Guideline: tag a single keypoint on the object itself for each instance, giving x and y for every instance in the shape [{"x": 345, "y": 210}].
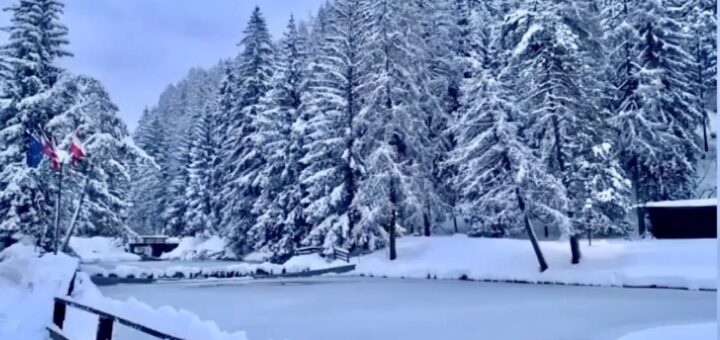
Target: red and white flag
[
  {"x": 77, "y": 149},
  {"x": 49, "y": 151}
]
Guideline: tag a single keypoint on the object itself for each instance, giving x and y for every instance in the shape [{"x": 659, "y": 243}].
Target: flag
[
  {"x": 49, "y": 151},
  {"x": 34, "y": 150},
  {"x": 77, "y": 150}
]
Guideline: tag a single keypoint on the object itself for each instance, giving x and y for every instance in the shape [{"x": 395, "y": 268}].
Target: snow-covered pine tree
[
  {"x": 36, "y": 39},
  {"x": 659, "y": 144},
  {"x": 148, "y": 193},
  {"x": 83, "y": 105},
  {"x": 701, "y": 18},
  {"x": 501, "y": 181},
  {"x": 550, "y": 48},
  {"x": 330, "y": 106},
  {"x": 395, "y": 142},
  {"x": 243, "y": 159},
  {"x": 200, "y": 191},
  {"x": 281, "y": 224}
]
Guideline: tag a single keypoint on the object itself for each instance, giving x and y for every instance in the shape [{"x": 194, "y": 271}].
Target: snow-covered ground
[
  {"x": 690, "y": 264},
  {"x": 352, "y": 308},
  {"x": 29, "y": 284},
  {"x": 703, "y": 331},
  {"x": 193, "y": 248},
  {"x": 100, "y": 249}
]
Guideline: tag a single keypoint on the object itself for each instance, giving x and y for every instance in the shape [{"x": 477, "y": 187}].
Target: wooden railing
[
  {"x": 341, "y": 254},
  {"x": 105, "y": 324},
  {"x": 308, "y": 250},
  {"x": 337, "y": 254}
]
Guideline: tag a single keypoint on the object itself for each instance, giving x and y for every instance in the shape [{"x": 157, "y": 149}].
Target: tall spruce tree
[
  {"x": 36, "y": 39},
  {"x": 280, "y": 132},
  {"x": 243, "y": 159}
]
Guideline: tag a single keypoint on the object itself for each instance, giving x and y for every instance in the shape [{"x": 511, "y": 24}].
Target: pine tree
[
  {"x": 280, "y": 135},
  {"x": 36, "y": 39},
  {"x": 148, "y": 193},
  {"x": 200, "y": 190},
  {"x": 243, "y": 159},
  {"x": 501, "y": 181},
  {"x": 656, "y": 126},
  {"x": 331, "y": 165},
  {"x": 85, "y": 107},
  {"x": 549, "y": 57},
  {"x": 394, "y": 145}
]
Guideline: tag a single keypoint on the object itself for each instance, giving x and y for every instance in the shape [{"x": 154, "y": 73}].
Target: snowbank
[
  {"x": 294, "y": 265},
  {"x": 100, "y": 249},
  {"x": 29, "y": 284},
  {"x": 195, "y": 248},
  {"x": 703, "y": 331},
  {"x": 686, "y": 264}
]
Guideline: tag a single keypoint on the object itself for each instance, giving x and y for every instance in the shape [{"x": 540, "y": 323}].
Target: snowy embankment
[
  {"x": 29, "y": 283},
  {"x": 297, "y": 264},
  {"x": 683, "y": 264},
  {"x": 703, "y": 331},
  {"x": 194, "y": 248},
  {"x": 100, "y": 249}
]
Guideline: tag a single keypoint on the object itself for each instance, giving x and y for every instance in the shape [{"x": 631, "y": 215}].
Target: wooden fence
[
  {"x": 105, "y": 324},
  {"x": 337, "y": 253}
]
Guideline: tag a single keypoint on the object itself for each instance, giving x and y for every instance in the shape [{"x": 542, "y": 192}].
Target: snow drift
[
  {"x": 685, "y": 264},
  {"x": 29, "y": 284},
  {"x": 100, "y": 249}
]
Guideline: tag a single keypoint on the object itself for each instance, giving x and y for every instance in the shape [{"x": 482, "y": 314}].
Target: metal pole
[{"x": 57, "y": 209}]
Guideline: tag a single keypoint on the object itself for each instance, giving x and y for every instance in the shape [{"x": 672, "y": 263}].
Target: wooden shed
[{"x": 683, "y": 219}]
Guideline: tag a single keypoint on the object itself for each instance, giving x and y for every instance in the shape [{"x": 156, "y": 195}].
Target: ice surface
[
  {"x": 703, "y": 331},
  {"x": 352, "y": 308}
]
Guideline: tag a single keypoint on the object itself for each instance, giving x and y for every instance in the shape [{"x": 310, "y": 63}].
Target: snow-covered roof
[{"x": 706, "y": 202}]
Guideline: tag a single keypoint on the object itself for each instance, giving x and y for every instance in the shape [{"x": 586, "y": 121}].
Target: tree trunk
[
  {"x": 575, "y": 249},
  {"x": 426, "y": 225},
  {"x": 531, "y": 232},
  {"x": 393, "y": 251}
]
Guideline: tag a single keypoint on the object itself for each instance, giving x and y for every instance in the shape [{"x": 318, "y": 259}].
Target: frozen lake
[{"x": 351, "y": 308}]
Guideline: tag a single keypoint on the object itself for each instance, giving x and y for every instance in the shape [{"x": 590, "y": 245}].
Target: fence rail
[
  {"x": 341, "y": 254},
  {"x": 105, "y": 324},
  {"x": 308, "y": 250}
]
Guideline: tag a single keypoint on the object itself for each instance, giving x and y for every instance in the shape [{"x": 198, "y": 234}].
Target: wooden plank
[{"x": 105, "y": 329}]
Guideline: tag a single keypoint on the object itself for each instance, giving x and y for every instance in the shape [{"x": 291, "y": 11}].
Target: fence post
[
  {"x": 59, "y": 313},
  {"x": 105, "y": 326}
]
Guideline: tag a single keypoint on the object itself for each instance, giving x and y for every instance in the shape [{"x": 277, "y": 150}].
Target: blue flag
[{"x": 34, "y": 151}]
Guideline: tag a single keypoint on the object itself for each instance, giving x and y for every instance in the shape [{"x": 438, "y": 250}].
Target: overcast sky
[{"x": 138, "y": 47}]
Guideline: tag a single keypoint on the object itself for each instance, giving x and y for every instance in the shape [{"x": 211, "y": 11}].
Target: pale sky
[{"x": 138, "y": 47}]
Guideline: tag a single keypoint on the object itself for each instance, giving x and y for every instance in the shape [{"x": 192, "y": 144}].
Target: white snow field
[
  {"x": 687, "y": 264},
  {"x": 97, "y": 249},
  {"x": 29, "y": 283},
  {"x": 703, "y": 331},
  {"x": 353, "y": 308}
]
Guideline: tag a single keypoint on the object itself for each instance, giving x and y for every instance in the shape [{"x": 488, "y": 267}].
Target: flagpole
[
  {"x": 57, "y": 208},
  {"x": 73, "y": 221}
]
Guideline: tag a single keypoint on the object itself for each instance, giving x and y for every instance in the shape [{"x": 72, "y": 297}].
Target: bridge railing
[{"x": 105, "y": 324}]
